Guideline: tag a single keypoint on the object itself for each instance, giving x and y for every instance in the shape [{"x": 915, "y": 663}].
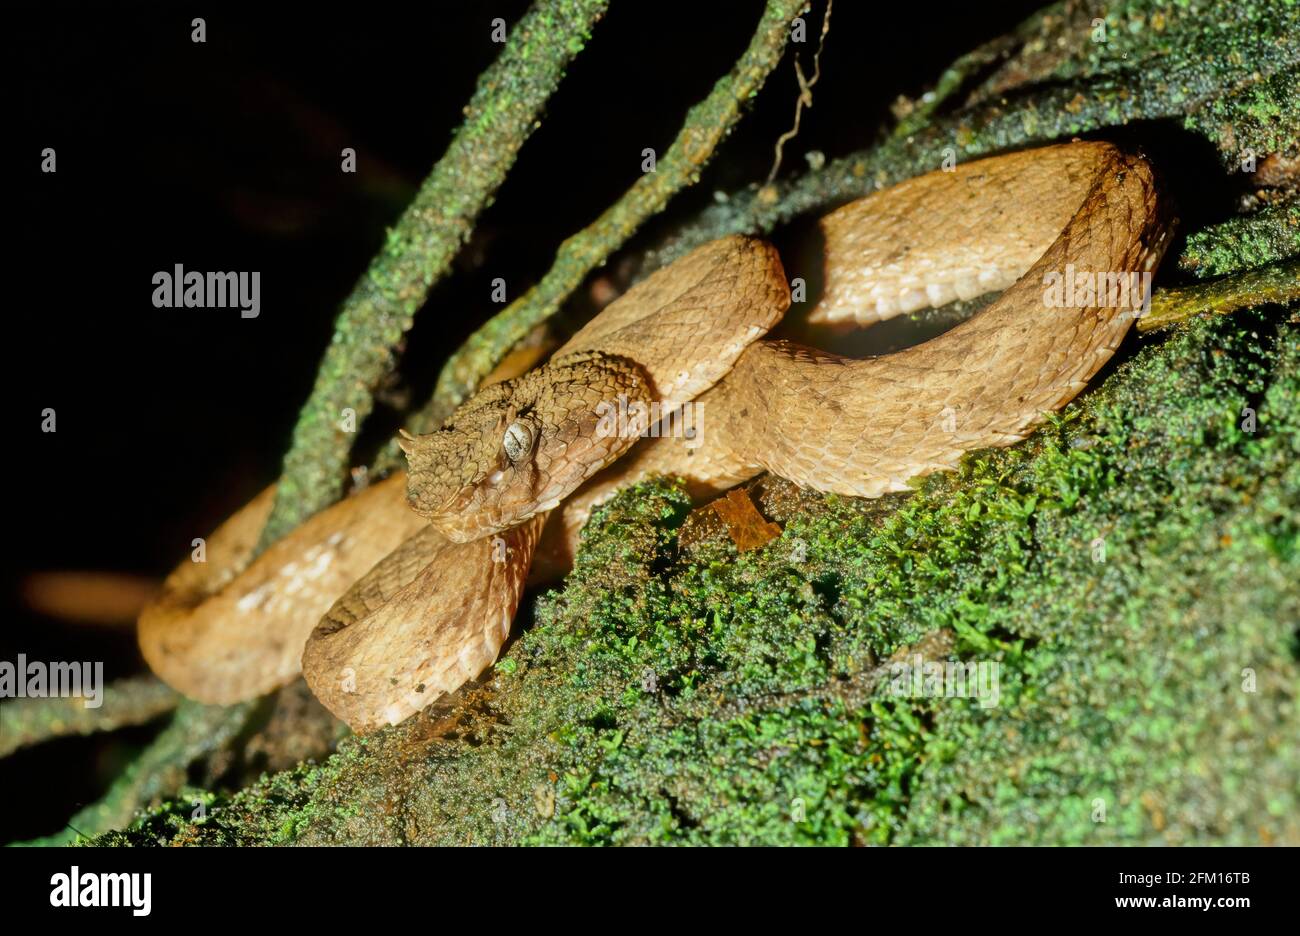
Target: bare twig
[{"x": 805, "y": 93}]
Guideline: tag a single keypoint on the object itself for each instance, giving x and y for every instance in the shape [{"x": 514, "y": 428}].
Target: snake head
[{"x": 520, "y": 447}]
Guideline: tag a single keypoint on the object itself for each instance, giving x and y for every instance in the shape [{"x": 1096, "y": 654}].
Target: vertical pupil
[{"x": 518, "y": 441}]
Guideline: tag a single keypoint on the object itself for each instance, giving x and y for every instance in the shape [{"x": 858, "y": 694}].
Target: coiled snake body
[{"x": 386, "y": 607}]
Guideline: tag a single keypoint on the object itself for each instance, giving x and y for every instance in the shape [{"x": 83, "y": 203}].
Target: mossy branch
[
  {"x": 195, "y": 731},
  {"x": 1277, "y": 283},
  {"x": 24, "y": 722},
  {"x": 1243, "y": 243},
  {"x": 919, "y": 113},
  {"x": 500, "y": 116},
  {"x": 1214, "y": 90}
]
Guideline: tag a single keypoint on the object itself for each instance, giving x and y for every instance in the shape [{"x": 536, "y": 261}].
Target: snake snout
[{"x": 519, "y": 448}]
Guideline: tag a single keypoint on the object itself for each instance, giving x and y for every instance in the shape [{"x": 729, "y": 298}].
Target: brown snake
[{"x": 386, "y": 608}]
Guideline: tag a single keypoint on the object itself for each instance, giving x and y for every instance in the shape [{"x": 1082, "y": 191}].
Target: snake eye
[{"x": 518, "y": 442}]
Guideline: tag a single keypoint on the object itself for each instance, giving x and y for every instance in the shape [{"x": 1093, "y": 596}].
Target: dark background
[{"x": 225, "y": 156}]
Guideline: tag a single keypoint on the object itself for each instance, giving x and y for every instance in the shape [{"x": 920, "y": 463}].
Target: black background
[{"x": 225, "y": 156}]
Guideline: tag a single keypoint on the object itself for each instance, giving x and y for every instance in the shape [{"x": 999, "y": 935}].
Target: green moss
[
  {"x": 1260, "y": 118},
  {"x": 1129, "y": 569},
  {"x": 1121, "y": 672},
  {"x": 1244, "y": 243}
]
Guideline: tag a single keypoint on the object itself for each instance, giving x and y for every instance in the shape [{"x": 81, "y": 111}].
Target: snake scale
[{"x": 407, "y": 589}]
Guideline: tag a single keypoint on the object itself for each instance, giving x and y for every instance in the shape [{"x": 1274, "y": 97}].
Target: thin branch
[
  {"x": 1054, "y": 113},
  {"x": 707, "y": 124},
  {"x": 805, "y": 93},
  {"x": 24, "y": 722},
  {"x": 956, "y": 75},
  {"x": 195, "y": 731},
  {"x": 1276, "y": 283},
  {"x": 502, "y": 114}
]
